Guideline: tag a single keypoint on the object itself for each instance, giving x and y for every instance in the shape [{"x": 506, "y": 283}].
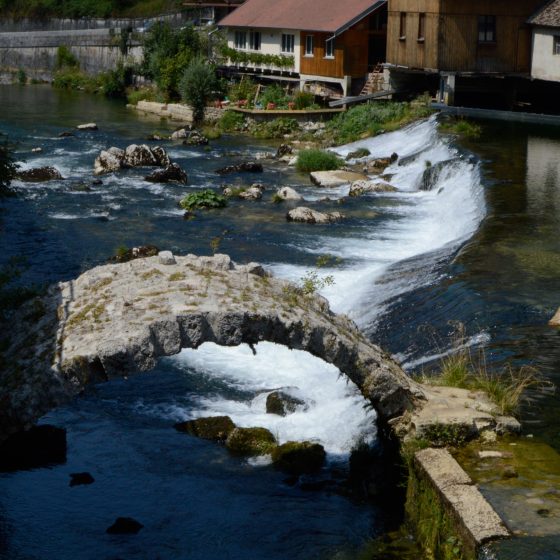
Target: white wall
[
  {"x": 271, "y": 43},
  {"x": 545, "y": 65}
]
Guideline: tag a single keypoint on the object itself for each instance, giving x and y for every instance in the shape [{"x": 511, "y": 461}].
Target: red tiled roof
[
  {"x": 327, "y": 16},
  {"x": 548, "y": 16}
]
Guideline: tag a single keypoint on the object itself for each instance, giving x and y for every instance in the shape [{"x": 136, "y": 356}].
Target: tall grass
[{"x": 507, "y": 388}]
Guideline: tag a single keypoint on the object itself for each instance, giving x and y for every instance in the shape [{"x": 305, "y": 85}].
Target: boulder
[
  {"x": 37, "y": 447},
  {"x": 360, "y": 187},
  {"x": 247, "y": 166},
  {"x": 81, "y": 478},
  {"x": 140, "y": 156},
  {"x": 287, "y": 193},
  {"x": 296, "y": 457},
  {"x": 380, "y": 164},
  {"x": 282, "y": 403},
  {"x": 194, "y": 138},
  {"x": 555, "y": 321},
  {"x": 180, "y": 134},
  {"x": 335, "y": 178},
  {"x": 124, "y": 526},
  {"x": 166, "y": 258},
  {"x": 357, "y": 154},
  {"x": 215, "y": 428},
  {"x": 39, "y": 174},
  {"x": 170, "y": 174},
  {"x": 251, "y": 441},
  {"x": 284, "y": 150},
  {"x": 87, "y": 126},
  {"x": 108, "y": 161},
  {"x": 162, "y": 159},
  {"x": 254, "y": 192},
  {"x": 309, "y": 216}
]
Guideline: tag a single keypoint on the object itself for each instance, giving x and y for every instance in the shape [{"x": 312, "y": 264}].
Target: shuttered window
[{"x": 486, "y": 29}]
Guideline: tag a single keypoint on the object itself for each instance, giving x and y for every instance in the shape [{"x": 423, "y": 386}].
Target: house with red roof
[{"x": 320, "y": 43}]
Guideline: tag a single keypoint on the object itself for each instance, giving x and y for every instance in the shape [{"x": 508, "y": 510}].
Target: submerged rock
[
  {"x": 66, "y": 134},
  {"x": 215, "y": 428},
  {"x": 37, "y": 447},
  {"x": 284, "y": 150},
  {"x": 80, "y": 479},
  {"x": 125, "y": 526},
  {"x": 309, "y": 216},
  {"x": 254, "y": 192},
  {"x": 380, "y": 164},
  {"x": 295, "y": 457},
  {"x": 248, "y": 166},
  {"x": 282, "y": 403},
  {"x": 39, "y": 174},
  {"x": 170, "y": 174},
  {"x": 357, "y": 154},
  {"x": 360, "y": 187},
  {"x": 251, "y": 441}
]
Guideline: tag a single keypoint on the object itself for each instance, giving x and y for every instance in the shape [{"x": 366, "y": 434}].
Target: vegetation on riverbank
[
  {"x": 40, "y": 9},
  {"x": 317, "y": 160},
  {"x": 461, "y": 127},
  {"x": 506, "y": 388}
]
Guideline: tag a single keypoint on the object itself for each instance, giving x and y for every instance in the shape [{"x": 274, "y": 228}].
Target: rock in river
[
  {"x": 335, "y": 178},
  {"x": 309, "y": 216},
  {"x": 87, "y": 126},
  {"x": 251, "y": 441},
  {"x": 360, "y": 187},
  {"x": 215, "y": 428},
  {"x": 299, "y": 457},
  {"x": 39, "y": 174},
  {"x": 170, "y": 174},
  {"x": 249, "y": 166},
  {"x": 287, "y": 193},
  {"x": 124, "y": 526},
  {"x": 282, "y": 403}
]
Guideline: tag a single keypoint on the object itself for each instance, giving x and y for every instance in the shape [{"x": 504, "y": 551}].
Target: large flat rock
[{"x": 335, "y": 178}]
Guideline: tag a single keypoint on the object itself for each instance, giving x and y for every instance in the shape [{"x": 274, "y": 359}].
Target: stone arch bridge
[{"x": 117, "y": 319}]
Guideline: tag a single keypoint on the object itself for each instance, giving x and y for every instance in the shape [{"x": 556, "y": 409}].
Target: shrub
[
  {"x": 317, "y": 160},
  {"x": 274, "y": 94},
  {"x": 133, "y": 96},
  {"x": 203, "y": 199},
  {"x": 277, "y": 128},
  {"x": 21, "y": 77},
  {"x": 72, "y": 78},
  {"x": 113, "y": 83},
  {"x": 462, "y": 127},
  {"x": 231, "y": 121},
  {"x": 65, "y": 58},
  {"x": 303, "y": 100},
  {"x": 197, "y": 87},
  {"x": 244, "y": 89}
]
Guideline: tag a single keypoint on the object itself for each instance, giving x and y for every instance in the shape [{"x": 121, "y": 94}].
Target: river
[{"x": 481, "y": 247}]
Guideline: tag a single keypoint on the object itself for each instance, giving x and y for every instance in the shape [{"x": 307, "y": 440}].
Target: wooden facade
[
  {"x": 355, "y": 51},
  {"x": 450, "y": 30}
]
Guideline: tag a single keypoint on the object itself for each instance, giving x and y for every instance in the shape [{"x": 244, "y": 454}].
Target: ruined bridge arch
[{"x": 117, "y": 319}]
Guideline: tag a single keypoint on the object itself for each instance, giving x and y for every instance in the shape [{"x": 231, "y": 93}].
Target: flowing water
[{"x": 471, "y": 235}]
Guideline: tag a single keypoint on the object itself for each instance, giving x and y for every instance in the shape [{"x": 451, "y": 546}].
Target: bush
[
  {"x": 113, "y": 83},
  {"x": 133, "y": 96},
  {"x": 197, "y": 87},
  {"x": 72, "y": 78},
  {"x": 245, "y": 89},
  {"x": 231, "y": 121},
  {"x": 278, "y": 128},
  {"x": 21, "y": 77},
  {"x": 303, "y": 100},
  {"x": 203, "y": 199},
  {"x": 317, "y": 160},
  {"x": 65, "y": 58},
  {"x": 274, "y": 94}
]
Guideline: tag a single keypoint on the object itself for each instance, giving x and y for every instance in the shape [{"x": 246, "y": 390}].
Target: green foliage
[
  {"x": 462, "y": 127},
  {"x": 73, "y": 79},
  {"x": 277, "y": 128},
  {"x": 303, "y": 100},
  {"x": 21, "y": 77},
  {"x": 244, "y": 89},
  {"x": 65, "y": 58},
  {"x": 274, "y": 94},
  {"x": 231, "y": 121},
  {"x": 372, "y": 118},
  {"x": 443, "y": 435},
  {"x": 203, "y": 199},
  {"x": 312, "y": 283},
  {"x": 133, "y": 96},
  {"x": 257, "y": 59},
  {"x": 113, "y": 83},
  {"x": 8, "y": 168},
  {"x": 317, "y": 160},
  {"x": 167, "y": 54},
  {"x": 197, "y": 87}
]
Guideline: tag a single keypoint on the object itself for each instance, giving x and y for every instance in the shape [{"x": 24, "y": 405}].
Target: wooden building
[
  {"x": 460, "y": 38},
  {"x": 329, "y": 43}
]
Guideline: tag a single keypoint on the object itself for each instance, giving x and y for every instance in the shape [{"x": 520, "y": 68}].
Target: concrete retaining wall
[{"x": 174, "y": 111}]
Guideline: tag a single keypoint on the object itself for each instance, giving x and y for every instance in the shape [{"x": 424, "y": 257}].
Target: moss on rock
[
  {"x": 299, "y": 457},
  {"x": 251, "y": 441},
  {"x": 281, "y": 403},
  {"x": 215, "y": 428}
]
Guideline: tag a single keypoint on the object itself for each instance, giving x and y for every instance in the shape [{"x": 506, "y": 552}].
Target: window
[
  {"x": 402, "y": 31},
  {"x": 240, "y": 40},
  {"x": 329, "y": 48},
  {"x": 486, "y": 29},
  {"x": 309, "y": 45},
  {"x": 287, "y": 43},
  {"x": 421, "y": 26},
  {"x": 556, "y": 45},
  {"x": 255, "y": 40}
]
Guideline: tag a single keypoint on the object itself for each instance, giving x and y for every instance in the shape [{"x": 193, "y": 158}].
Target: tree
[
  {"x": 8, "y": 168},
  {"x": 197, "y": 87}
]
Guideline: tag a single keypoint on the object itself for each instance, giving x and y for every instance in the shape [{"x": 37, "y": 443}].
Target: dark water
[{"x": 482, "y": 248}]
